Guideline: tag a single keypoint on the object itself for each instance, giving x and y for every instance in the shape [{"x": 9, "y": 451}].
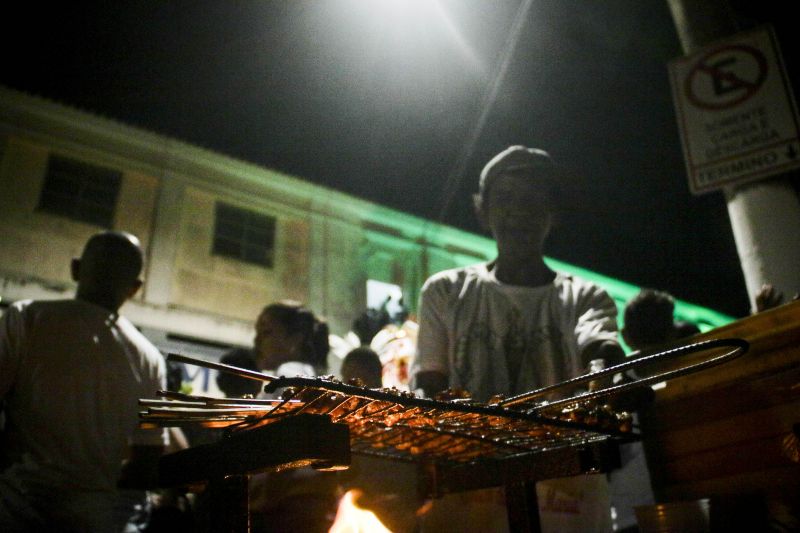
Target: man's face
[{"x": 517, "y": 210}]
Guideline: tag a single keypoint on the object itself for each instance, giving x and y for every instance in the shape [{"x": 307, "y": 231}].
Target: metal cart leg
[
  {"x": 231, "y": 504},
  {"x": 522, "y": 507}
]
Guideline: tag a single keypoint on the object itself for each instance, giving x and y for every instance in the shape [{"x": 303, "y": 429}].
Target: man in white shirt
[
  {"x": 71, "y": 374},
  {"x": 512, "y": 325}
]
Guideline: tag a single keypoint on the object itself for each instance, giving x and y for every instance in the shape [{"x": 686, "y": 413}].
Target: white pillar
[
  {"x": 765, "y": 218},
  {"x": 164, "y": 242}
]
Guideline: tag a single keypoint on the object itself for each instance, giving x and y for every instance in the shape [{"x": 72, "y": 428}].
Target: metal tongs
[{"x": 738, "y": 348}]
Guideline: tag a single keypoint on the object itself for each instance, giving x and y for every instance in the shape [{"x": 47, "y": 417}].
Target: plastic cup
[{"x": 683, "y": 517}]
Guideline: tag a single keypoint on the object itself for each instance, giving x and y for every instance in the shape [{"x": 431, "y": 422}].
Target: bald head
[{"x": 108, "y": 270}]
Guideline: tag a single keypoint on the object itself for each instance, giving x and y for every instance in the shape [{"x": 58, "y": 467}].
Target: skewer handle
[{"x": 230, "y": 369}]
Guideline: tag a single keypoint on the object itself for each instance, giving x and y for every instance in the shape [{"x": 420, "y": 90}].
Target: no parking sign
[{"x": 736, "y": 111}]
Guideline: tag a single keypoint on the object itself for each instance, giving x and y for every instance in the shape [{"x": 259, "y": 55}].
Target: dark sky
[{"x": 381, "y": 106}]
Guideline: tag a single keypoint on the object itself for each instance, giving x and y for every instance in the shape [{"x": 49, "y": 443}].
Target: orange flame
[{"x": 350, "y": 518}]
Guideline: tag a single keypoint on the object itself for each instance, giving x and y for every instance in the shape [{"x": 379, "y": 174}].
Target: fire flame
[{"x": 350, "y": 518}]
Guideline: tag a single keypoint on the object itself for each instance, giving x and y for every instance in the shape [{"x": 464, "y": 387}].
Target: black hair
[
  {"x": 116, "y": 254},
  {"x": 367, "y": 365},
  {"x": 174, "y": 376},
  {"x": 234, "y": 386},
  {"x": 369, "y": 323},
  {"x": 297, "y": 318},
  {"x": 649, "y": 319}
]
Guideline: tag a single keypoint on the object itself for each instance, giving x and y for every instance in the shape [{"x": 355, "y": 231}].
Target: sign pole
[{"x": 764, "y": 209}]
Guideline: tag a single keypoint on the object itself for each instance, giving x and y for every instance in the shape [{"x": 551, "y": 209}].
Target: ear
[
  {"x": 75, "y": 269},
  {"x": 135, "y": 286}
]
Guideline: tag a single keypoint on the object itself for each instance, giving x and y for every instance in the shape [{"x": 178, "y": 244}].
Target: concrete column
[
  {"x": 765, "y": 215},
  {"x": 164, "y": 243}
]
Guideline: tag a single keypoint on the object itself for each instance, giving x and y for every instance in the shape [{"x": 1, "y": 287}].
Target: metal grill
[{"x": 398, "y": 425}]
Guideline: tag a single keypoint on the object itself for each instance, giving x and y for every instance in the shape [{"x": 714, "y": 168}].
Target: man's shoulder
[
  {"x": 567, "y": 279},
  {"x": 581, "y": 291},
  {"x": 577, "y": 283},
  {"x": 137, "y": 337},
  {"x": 455, "y": 277},
  {"x": 29, "y": 306}
]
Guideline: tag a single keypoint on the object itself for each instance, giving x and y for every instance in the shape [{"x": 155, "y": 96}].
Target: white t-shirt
[
  {"x": 71, "y": 375},
  {"x": 493, "y": 338}
]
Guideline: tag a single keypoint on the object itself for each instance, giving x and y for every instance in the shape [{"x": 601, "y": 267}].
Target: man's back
[{"x": 71, "y": 373}]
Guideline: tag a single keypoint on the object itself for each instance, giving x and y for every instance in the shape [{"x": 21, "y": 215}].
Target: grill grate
[{"x": 398, "y": 425}]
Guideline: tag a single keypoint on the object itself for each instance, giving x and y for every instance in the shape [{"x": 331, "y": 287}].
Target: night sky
[{"x": 380, "y": 103}]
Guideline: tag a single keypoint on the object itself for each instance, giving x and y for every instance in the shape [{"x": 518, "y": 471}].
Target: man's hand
[
  {"x": 610, "y": 351},
  {"x": 767, "y": 298},
  {"x": 431, "y": 382}
]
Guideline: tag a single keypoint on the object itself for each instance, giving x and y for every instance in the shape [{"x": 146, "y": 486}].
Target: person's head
[
  {"x": 519, "y": 196},
  {"x": 288, "y": 331},
  {"x": 174, "y": 376},
  {"x": 649, "y": 319},
  {"x": 362, "y": 363},
  {"x": 108, "y": 270},
  {"x": 369, "y": 323},
  {"x": 232, "y": 385}
]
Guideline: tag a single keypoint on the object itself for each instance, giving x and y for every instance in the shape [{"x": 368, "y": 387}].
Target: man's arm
[
  {"x": 431, "y": 382},
  {"x": 428, "y": 371},
  {"x": 630, "y": 400},
  {"x": 609, "y": 351}
]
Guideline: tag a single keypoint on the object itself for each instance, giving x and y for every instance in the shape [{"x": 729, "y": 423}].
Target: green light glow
[
  {"x": 621, "y": 292},
  {"x": 465, "y": 248}
]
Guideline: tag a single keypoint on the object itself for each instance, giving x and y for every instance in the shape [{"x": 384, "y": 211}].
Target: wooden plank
[
  {"x": 704, "y": 407},
  {"x": 771, "y": 482},
  {"x": 754, "y": 364},
  {"x": 774, "y": 338},
  {"x": 772, "y": 422},
  {"x": 751, "y": 456}
]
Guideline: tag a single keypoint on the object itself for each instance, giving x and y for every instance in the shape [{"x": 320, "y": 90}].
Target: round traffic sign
[{"x": 726, "y": 77}]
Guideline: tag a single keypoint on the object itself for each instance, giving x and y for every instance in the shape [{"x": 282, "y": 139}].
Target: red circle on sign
[{"x": 746, "y": 87}]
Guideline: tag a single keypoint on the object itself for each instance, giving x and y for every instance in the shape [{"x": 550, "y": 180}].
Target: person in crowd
[
  {"x": 649, "y": 325},
  {"x": 234, "y": 386},
  {"x": 291, "y": 340},
  {"x": 649, "y": 321},
  {"x": 369, "y": 323},
  {"x": 362, "y": 365},
  {"x": 71, "y": 374},
  {"x": 513, "y": 324},
  {"x": 204, "y": 503}
]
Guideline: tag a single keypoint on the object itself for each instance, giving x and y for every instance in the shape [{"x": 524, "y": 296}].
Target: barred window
[
  {"x": 244, "y": 235},
  {"x": 79, "y": 191}
]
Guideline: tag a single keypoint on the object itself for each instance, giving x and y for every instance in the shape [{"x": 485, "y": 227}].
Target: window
[
  {"x": 244, "y": 235},
  {"x": 82, "y": 192}
]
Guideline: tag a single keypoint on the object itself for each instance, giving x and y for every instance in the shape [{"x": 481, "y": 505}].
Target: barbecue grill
[{"x": 458, "y": 444}]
